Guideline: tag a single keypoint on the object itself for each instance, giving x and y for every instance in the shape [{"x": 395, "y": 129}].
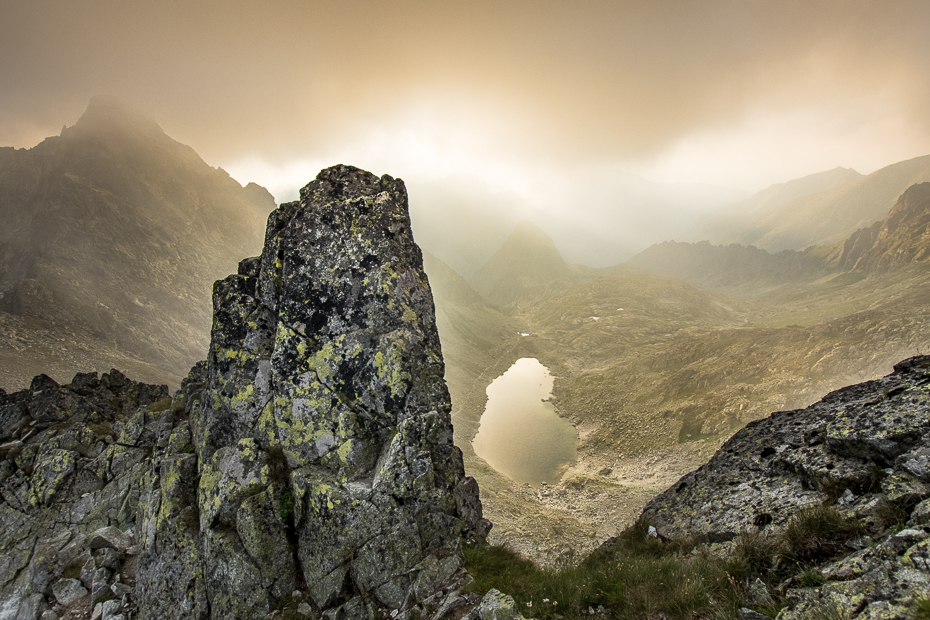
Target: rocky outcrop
[
  {"x": 863, "y": 449},
  {"x": 74, "y": 463},
  {"x": 900, "y": 240},
  {"x": 307, "y": 465}
]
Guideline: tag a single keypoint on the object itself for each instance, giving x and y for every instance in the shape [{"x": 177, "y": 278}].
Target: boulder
[{"x": 68, "y": 591}]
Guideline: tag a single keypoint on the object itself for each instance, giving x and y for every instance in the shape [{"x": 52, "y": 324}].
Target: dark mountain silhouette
[{"x": 112, "y": 235}]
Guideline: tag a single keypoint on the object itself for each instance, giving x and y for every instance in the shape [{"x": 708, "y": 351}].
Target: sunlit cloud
[
  {"x": 420, "y": 144},
  {"x": 775, "y": 145}
]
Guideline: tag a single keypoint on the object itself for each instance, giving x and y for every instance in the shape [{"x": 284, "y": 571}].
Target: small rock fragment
[{"x": 67, "y": 591}]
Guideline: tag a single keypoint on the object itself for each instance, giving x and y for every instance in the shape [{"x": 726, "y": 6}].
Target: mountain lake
[{"x": 520, "y": 434}]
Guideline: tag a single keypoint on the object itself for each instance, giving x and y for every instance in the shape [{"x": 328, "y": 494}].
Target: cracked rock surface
[
  {"x": 863, "y": 449},
  {"x": 306, "y": 466}
]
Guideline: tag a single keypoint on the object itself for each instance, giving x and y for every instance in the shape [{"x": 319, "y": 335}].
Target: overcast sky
[{"x": 739, "y": 93}]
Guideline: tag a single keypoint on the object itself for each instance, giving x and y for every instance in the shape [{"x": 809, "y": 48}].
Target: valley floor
[
  {"x": 560, "y": 523},
  {"x": 653, "y": 396}
]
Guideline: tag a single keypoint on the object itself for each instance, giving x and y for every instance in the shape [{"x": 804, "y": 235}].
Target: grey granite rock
[
  {"x": 495, "y": 606},
  {"x": 862, "y": 449},
  {"x": 67, "y": 591},
  {"x": 313, "y": 448}
]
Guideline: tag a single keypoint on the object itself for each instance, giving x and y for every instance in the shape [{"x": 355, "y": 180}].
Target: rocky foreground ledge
[
  {"x": 863, "y": 449},
  {"x": 306, "y": 468}
]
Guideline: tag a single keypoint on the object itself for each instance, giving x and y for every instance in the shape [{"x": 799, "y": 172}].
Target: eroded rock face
[
  {"x": 307, "y": 465},
  {"x": 73, "y": 463},
  {"x": 324, "y": 437}
]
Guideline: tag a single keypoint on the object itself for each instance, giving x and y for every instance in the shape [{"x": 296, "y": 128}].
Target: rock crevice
[{"x": 307, "y": 463}]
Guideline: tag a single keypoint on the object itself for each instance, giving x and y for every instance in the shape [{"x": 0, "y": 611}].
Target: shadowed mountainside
[
  {"x": 900, "y": 240},
  {"x": 113, "y": 233}
]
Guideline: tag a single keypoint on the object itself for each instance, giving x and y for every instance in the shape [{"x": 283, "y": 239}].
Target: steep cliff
[
  {"x": 900, "y": 240},
  {"x": 307, "y": 466}
]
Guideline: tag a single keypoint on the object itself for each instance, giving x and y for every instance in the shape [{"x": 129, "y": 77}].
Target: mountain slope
[
  {"x": 526, "y": 268},
  {"x": 827, "y": 216},
  {"x": 898, "y": 241},
  {"x": 474, "y": 336},
  {"x": 901, "y": 239},
  {"x": 728, "y": 268},
  {"x": 726, "y": 222},
  {"x": 115, "y": 228}
]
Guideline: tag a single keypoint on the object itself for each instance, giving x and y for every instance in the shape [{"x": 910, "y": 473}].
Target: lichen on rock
[
  {"x": 861, "y": 450},
  {"x": 309, "y": 458},
  {"x": 324, "y": 389}
]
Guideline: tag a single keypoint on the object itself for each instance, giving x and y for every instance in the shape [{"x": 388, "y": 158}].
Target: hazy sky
[{"x": 740, "y": 93}]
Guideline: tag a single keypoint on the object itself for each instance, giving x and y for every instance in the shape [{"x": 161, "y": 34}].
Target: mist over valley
[
  {"x": 656, "y": 361},
  {"x": 351, "y": 312}
]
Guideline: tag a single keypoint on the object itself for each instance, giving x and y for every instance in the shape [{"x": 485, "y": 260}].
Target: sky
[{"x": 522, "y": 95}]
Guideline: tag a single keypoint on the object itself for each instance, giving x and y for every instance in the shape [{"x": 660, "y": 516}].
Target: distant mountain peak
[
  {"x": 527, "y": 263},
  {"x": 526, "y": 234},
  {"x": 109, "y": 114}
]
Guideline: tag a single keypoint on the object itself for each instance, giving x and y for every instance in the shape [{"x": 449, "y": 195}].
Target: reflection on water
[{"x": 520, "y": 434}]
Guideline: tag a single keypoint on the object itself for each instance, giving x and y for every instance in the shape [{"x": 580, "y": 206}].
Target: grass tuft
[
  {"x": 922, "y": 609},
  {"x": 810, "y": 578},
  {"x": 636, "y": 578},
  {"x": 753, "y": 553},
  {"x": 817, "y": 533}
]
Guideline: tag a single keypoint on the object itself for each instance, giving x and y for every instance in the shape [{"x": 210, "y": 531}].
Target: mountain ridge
[
  {"x": 111, "y": 226},
  {"x": 899, "y": 240},
  {"x": 820, "y": 217}
]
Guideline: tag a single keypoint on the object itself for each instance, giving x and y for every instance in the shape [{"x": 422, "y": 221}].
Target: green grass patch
[
  {"x": 818, "y": 533},
  {"x": 810, "y": 578},
  {"x": 922, "y": 609},
  {"x": 752, "y": 555},
  {"x": 643, "y": 576},
  {"x": 638, "y": 577}
]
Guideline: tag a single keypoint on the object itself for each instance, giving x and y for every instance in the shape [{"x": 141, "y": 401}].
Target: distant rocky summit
[
  {"x": 306, "y": 468},
  {"x": 900, "y": 240},
  {"x": 111, "y": 238},
  {"x": 863, "y": 449}
]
